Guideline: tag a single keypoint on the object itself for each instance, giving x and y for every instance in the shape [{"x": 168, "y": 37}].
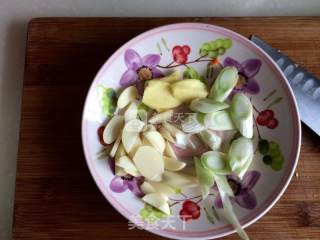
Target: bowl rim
[{"x": 295, "y": 149}]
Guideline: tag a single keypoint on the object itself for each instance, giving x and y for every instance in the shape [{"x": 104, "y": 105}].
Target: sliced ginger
[{"x": 157, "y": 95}]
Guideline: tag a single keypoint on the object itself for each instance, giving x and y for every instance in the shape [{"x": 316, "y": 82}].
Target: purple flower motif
[
  {"x": 243, "y": 194},
  {"x": 139, "y": 68},
  {"x": 247, "y": 71},
  {"x": 121, "y": 184}
]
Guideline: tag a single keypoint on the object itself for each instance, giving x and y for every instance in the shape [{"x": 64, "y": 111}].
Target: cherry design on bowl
[
  {"x": 190, "y": 210},
  {"x": 267, "y": 118},
  {"x": 180, "y": 53},
  {"x": 100, "y": 136}
]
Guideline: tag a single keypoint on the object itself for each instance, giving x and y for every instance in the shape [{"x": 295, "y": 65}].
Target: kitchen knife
[{"x": 305, "y": 86}]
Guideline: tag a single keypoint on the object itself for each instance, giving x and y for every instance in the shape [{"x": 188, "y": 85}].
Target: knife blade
[{"x": 305, "y": 86}]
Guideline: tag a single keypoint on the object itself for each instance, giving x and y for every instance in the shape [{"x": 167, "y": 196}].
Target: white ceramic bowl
[{"x": 279, "y": 123}]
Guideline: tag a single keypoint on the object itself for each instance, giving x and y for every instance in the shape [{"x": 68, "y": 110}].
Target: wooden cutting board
[{"x": 56, "y": 197}]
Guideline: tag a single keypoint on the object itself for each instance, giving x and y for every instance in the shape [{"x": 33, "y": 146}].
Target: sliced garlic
[
  {"x": 127, "y": 96},
  {"x": 134, "y": 125},
  {"x": 179, "y": 180},
  {"x": 119, "y": 171},
  {"x": 147, "y": 188},
  {"x": 168, "y": 151},
  {"x": 135, "y": 147},
  {"x": 157, "y": 178},
  {"x": 115, "y": 146},
  {"x": 163, "y": 188},
  {"x": 132, "y": 172},
  {"x": 166, "y": 134},
  {"x": 113, "y": 129},
  {"x": 149, "y": 162},
  {"x": 158, "y": 201},
  {"x": 146, "y": 142},
  {"x": 131, "y": 112},
  {"x": 120, "y": 151},
  {"x": 155, "y": 139},
  {"x": 151, "y": 186},
  {"x": 149, "y": 127},
  {"x": 184, "y": 141},
  {"x": 130, "y": 134},
  {"x": 161, "y": 117},
  {"x": 173, "y": 130},
  {"x": 173, "y": 164},
  {"x": 127, "y": 165},
  {"x": 129, "y": 140}
]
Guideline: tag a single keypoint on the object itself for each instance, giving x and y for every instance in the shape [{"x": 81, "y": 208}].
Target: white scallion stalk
[
  {"x": 161, "y": 117},
  {"x": 240, "y": 155},
  {"x": 242, "y": 171},
  {"x": 223, "y": 85},
  {"x": 192, "y": 124},
  {"x": 207, "y": 105},
  {"x": 204, "y": 176},
  {"x": 229, "y": 214},
  {"x": 226, "y": 192},
  {"x": 223, "y": 185},
  {"x": 241, "y": 114},
  {"x": 183, "y": 141},
  {"x": 216, "y": 162},
  {"x": 173, "y": 130},
  {"x": 211, "y": 139},
  {"x": 220, "y": 121},
  {"x": 132, "y": 111}
]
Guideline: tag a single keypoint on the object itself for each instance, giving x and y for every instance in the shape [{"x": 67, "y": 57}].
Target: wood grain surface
[{"x": 56, "y": 197}]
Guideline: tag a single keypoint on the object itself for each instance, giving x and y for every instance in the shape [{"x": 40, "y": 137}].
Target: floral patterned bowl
[{"x": 205, "y": 48}]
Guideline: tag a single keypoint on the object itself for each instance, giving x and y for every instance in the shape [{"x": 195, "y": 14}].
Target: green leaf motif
[
  {"x": 159, "y": 48},
  {"x": 211, "y": 214},
  {"x": 151, "y": 214},
  {"x": 165, "y": 44},
  {"x": 108, "y": 99},
  {"x": 215, "y": 48}
]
